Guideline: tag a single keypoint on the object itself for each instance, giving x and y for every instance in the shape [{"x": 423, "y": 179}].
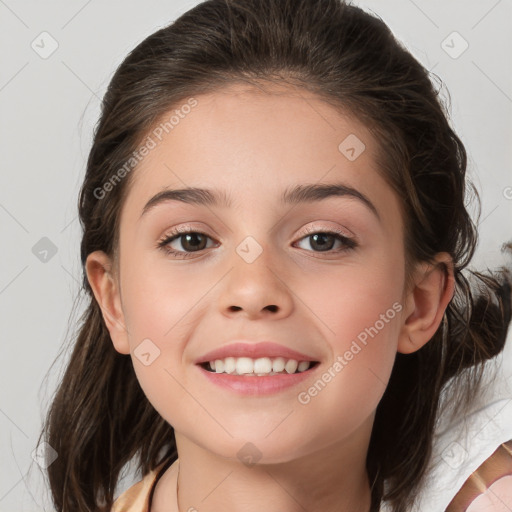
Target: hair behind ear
[
  {"x": 106, "y": 419},
  {"x": 478, "y": 317},
  {"x": 474, "y": 330}
]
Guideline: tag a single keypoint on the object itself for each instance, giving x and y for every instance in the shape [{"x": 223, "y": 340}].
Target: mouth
[
  {"x": 261, "y": 367},
  {"x": 259, "y": 377}
]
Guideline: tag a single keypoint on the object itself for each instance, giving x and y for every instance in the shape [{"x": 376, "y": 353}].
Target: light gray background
[{"x": 48, "y": 111}]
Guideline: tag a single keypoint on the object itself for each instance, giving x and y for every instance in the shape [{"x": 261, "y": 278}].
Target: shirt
[{"x": 138, "y": 497}]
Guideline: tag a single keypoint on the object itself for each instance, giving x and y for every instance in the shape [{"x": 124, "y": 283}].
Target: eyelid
[
  {"x": 309, "y": 230},
  {"x": 187, "y": 228}
]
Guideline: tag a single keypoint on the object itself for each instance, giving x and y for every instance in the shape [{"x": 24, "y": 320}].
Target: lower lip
[{"x": 257, "y": 385}]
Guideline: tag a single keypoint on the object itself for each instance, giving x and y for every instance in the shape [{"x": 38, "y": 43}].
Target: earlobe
[
  {"x": 106, "y": 291},
  {"x": 431, "y": 293}
]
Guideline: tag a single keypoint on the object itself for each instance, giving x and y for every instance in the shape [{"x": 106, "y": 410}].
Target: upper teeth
[{"x": 260, "y": 367}]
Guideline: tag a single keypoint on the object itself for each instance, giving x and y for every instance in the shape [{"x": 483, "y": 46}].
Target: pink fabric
[{"x": 497, "y": 498}]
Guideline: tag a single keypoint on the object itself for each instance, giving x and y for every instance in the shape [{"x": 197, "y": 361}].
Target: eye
[
  {"x": 196, "y": 241},
  {"x": 191, "y": 241},
  {"x": 323, "y": 241}
]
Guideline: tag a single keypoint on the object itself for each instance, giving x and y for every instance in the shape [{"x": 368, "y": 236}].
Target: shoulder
[
  {"x": 495, "y": 472},
  {"x": 136, "y": 497}
]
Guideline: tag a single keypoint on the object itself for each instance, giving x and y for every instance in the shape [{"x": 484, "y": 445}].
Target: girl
[{"x": 274, "y": 239}]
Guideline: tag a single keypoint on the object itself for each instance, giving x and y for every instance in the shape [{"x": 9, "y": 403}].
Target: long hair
[{"x": 99, "y": 418}]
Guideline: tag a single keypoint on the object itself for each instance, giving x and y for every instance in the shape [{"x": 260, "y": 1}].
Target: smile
[
  {"x": 234, "y": 374},
  {"x": 261, "y": 367}
]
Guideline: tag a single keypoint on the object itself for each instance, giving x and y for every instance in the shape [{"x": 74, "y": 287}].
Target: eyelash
[{"x": 174, "y": 234}]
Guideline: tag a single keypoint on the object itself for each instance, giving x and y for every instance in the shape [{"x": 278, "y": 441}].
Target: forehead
[{"x": 252, "y": 141}]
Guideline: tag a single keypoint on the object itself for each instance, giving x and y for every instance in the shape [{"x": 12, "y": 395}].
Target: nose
[{"x": 256, "y": 290}]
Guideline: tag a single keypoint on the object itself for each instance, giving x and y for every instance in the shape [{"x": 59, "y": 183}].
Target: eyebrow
[{"x": 297, "y": 194}]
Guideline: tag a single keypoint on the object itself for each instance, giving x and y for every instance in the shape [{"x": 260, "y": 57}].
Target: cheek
[
  {"x": 157, "y": 313},
  {"x": 348, "y": 390},
  {"x": 359, "y": 309},
  {"x": 359, "y": 302},
  {"x": 158, "y": 301}
]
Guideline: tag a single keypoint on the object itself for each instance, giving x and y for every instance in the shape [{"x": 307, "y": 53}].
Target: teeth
[
  {"x": 230, "y": 365},
  {"x": 243, "y": 365},
  {"x": 260, "y": 367},
  {"x": 291, "y": 366},
  {"x": 278, "y": 364},
  {"x": 303, "y": 365}
]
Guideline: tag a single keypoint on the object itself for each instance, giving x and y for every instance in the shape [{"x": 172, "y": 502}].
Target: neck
[{"x": 331, "y": 479}]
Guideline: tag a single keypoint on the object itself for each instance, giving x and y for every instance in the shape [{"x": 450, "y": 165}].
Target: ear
[
  {"x": 106, "y": 291},
  {"x": 433, "y": 288}
]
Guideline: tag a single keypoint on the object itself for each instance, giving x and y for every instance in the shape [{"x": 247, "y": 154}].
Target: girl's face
[{"x": 259, "y": 273}]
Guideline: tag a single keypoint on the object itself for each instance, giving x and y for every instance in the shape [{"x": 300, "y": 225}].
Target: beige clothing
[{"x": 138, "y": 497}]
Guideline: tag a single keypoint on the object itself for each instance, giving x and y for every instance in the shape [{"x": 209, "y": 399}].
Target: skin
[{"x": 253, "y": 144}]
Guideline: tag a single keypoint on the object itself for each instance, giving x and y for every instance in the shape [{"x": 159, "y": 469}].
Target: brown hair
[{"x": 100, "y": 419}]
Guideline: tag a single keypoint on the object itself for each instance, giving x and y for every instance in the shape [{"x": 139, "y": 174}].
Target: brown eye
[
  {"x": 190, "y": 242},
  {"x": 323, "y": 241}
]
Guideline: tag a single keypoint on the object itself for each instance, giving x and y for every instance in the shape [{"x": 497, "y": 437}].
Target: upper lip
[{"x": 254, "y": 351}]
